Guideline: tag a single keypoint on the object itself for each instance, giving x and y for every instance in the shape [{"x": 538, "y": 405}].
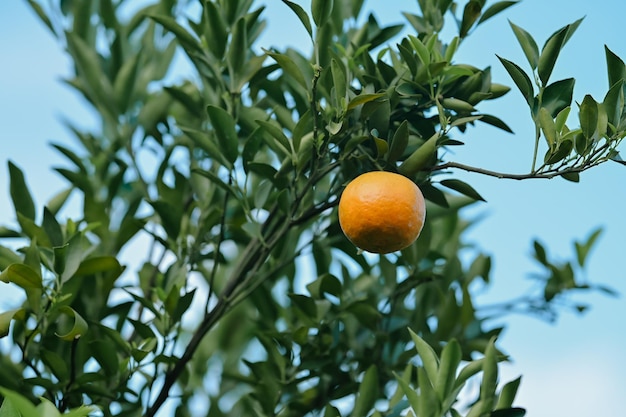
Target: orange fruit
[{"x": 381, "y": 212}]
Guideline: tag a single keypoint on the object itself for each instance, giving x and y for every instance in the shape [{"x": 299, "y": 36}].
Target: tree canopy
[{"x": 247, "y": 298}]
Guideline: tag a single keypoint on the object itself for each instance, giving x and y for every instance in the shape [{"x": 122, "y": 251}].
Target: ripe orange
[{"x": 382, "y": 212}]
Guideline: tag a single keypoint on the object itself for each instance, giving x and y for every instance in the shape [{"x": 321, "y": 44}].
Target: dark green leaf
[
  {"x": 571, "y": 176},
  {"x": 170, "y": 215},
  {"x": 368, "y": 392},
  {"x": 558, "y": 96},
  {"x": 302, "y": 15},
  {"x": 237, "y": 50},
  {"x": 224, "y": 126},
  {"x": 450, "y": 359},
  {"x": 471, "y": 13},
  {"x": 216, "y": 34},
  {"x": 588, "y": 116},
  {"x": 496, "y": 8},
  {"x": 582, "y": 249},
  {"x": 186, "y": 39},
  {"x": 528, "y": 44},
  {"x": 399, "y": 142},
  {"x": 507, "y": 394},
  {"x": 304, "y": 303},
  {"x": 614, "y": 103},
  {"x": 509, "y": 412},
  {"x": 520, "y": 78},
  {"x": 550, "y": 53},
  {"x": 20, "y": 195},
  {"x": 321, "y": 10},
  {"x": 52, "y": 228},
  {"x": 427, "y": 355},
  {"x": 463, "y": 188},
  {"x": 289, "y": 67},
  {"x": 615, "y": 67},
  {"x": 496, "y": 122}
]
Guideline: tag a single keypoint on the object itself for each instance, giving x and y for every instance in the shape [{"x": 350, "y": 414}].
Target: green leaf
[
  {"x": 289, "y": 67},
  {"x": 78, "y": 327},
  {"x": 99, "y": 264},
  {"x": 171, "y": 216},
  {"x": 339, "y": 82},
  {"x": 509, "y": 412},
  {"x": 216, "y": 34},
  {"x": 5, "y": 321},
  {"x": 237, "y": 50},
  {"x": 427, "y": 355},
  {"x": 422, "y": 51},
  {"x": 52, "y": 228},
  {"x": 547, "y": 126},
  {"x": 21, "y": 275},
  {"x": 463, "y": 188},
  {"x": 364, "y": 98},
  {"x": 561, "y": 119},
  {"x": 450, "y": 359},
  {"x": 321, "y": 10},
  {"x": 507, "y": 394},
  {"x": 224, "y": 126},
  {"x": 615, "y": 67},
  {"x": 571, "y": 176},
  {"x": 125, "y": 81},
  {"x": 411, "y": 394},
  {"x": 528, "y": 44},
  {"x": 186, "y": 39},
  {"x": 550, "y": 53},
  {"x": 277, "y": 133},
  {"x": 20, "y": 195},
  {"x": 302, "y": 15},
  {"x": 588, "y": 116},
  {"x": 399, "y": 142},
  {"x": 495, "y": 121},
  {"x": 520, "y": 78},
  {"x": 614, "y": 103},
  {"x": 305, "y": 304},
  {"x": 582, "y": 249},
  {"x": 368, "y": 392},
  {"x": 17, "y": 403},
  {"x": 558, "y": 95},
  {"x": 420, "y": 157},
  {"x": 326, "y": 283},
  {"x": 490, "y": 376},
  {"x": 471, "y": 13}
]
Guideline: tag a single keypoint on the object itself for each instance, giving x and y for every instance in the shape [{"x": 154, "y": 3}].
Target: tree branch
[{"x": 503, "y": 175}]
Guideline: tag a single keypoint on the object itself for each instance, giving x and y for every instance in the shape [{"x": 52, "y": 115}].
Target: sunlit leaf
[
  {"x": 520, "y": 78},
  {"x": 528, "y": 44}
]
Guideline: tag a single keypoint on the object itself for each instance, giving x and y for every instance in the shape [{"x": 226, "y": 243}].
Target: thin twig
[{"x": 504, "y": 175}]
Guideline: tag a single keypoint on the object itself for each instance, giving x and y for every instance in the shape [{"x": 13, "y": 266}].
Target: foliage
[{"x": 247, "y": 298}]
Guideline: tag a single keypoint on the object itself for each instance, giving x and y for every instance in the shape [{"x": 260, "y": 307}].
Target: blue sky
[{"x": 572, "y": 368}]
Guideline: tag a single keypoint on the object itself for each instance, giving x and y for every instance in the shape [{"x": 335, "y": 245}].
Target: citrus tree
[{"x": 241, "y": 295}]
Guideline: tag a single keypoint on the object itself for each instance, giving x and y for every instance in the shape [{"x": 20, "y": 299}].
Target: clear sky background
[{"x": 572, "y": 368}]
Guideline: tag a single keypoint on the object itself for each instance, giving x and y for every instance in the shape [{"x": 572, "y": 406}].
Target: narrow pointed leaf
[
  {"x": 588, "y": 116},
  {"x": 368, "y": 392},
  {"x": 302, "y": 15},
  {"x": 471, "y": 13},
  {"x": 427, "y": 355},
  {"x": 547, "y": 126},
  {"x": 20, "y": 195},
  {"x": 528, "y": 44},
  {"x": 520, "y": 78},
  {"x": 550, "y": 53},
  {"x": 224, "y": 126},
  {"x": 399, "y": 142},
  {"x": 289, "y": 67},
  {"x": 463, "y": 188},
  {"x": 615, "y": 67},
  {"x": 496, "y": 8}
]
